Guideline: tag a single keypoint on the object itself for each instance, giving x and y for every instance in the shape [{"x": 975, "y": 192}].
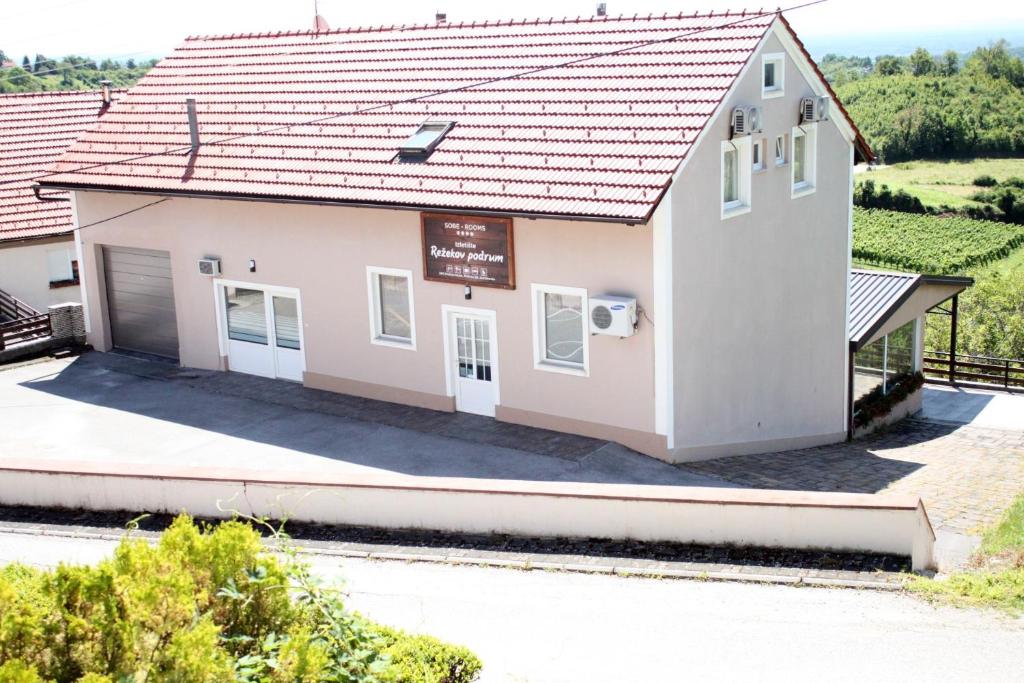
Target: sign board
[{"x": 468, "y": 250}]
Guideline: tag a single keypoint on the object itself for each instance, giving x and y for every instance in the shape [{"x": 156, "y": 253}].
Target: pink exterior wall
[{"x": 324, "y": 252}]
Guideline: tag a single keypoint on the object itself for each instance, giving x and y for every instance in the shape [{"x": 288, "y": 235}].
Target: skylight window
[{"x": 421, "y": 143}]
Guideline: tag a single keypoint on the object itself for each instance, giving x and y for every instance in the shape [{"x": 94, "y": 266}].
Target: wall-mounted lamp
[
  {"x": 252, "y": 265},
  {"x": 468, "y": 292}
]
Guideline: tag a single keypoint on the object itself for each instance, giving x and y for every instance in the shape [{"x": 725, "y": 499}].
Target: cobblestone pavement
[{"x": 966, "y": 475}]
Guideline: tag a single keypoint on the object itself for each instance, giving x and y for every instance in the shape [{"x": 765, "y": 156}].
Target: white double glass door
[
  {"x": 263, "y": 330},
  {"x": 475, "y": 368}
]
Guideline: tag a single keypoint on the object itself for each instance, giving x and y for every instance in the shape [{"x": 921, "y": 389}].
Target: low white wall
[
  {"x": 911, "y": 405},
  {"x": 790, "y": 519}
]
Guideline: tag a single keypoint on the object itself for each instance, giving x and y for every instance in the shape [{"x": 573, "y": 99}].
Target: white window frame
[
  {"x": 809, "y": 132},
  {"x": 377, "y": 335},
  {"x": 759, "y": 148},
  {"x": 780, "y": 144},
  {"x": 743, "y": 169},
  {"x": 66, "y": 258},
  {"x": 779, "y": 89},
  {"x": 540, "y": 359}
]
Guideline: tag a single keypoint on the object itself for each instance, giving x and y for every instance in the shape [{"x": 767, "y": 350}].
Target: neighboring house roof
[
  {"x": 876, "y": 295},
  {"x": 35, "y": 129},
  {"x": 319, "y": 116}
]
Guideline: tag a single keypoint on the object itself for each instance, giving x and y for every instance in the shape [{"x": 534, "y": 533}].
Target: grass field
[{"x": 942, "y": 182}]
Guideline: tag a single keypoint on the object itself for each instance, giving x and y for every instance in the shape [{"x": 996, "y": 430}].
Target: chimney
[
  {"x": 193, "y": 124},
  {"x": 107, "y": 97},
  {"x": 441, "y": 17},
  {"x": 602, "y": 9}
]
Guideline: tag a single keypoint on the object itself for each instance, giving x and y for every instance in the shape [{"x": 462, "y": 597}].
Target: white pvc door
[
  {"x": 474, "y": 358},
  {"x": 263, "y": 332}
]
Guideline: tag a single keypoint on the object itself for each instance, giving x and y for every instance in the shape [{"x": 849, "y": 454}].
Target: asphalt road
[{"x": 560, "y": 627}]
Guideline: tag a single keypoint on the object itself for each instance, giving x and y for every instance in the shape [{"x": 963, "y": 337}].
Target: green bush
[
  {"x": 202, "y": 605},
  {"x": 427, "y": 659},
  {"x": 876, "y": 404},
  {"x": 985, "y": 180}
]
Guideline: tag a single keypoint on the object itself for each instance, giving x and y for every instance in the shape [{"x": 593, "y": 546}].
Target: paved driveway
[
  {"x": 117, "y": 409},
  {"x": 964, "y": 455}
]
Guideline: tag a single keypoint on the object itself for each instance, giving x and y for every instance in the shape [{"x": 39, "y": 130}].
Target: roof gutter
[
  {"x": 275, "y": 199},
  {"x": 47, "y": 198}
]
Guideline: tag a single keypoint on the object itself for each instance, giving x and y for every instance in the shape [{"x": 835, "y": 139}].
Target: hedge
[{"x": 206, "y": 604}]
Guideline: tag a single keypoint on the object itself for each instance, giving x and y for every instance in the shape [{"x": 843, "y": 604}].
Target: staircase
[{"x": 20, "y": 323}]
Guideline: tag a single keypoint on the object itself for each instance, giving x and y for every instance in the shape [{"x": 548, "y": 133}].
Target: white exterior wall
[
  {"x": 25, "y": 273},
  {"x": 759, "y": 300},
  {"x": 323, "y": 252}
]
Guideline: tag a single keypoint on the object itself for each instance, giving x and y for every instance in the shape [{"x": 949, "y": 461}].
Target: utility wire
[
  {"x": 418, "y": 98},
  {"x": 94, "y": 64}
]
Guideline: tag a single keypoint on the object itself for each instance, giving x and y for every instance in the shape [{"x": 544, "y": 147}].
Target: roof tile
[{"x": 578, "y": 117}]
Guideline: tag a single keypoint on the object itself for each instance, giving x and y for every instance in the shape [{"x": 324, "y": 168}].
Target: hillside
[
  {"x": 69, "y": 73},
  {"x": 928, "y": 106}
]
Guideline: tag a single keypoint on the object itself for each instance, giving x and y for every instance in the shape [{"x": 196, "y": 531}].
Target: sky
[{"x": 143, "y": 28}]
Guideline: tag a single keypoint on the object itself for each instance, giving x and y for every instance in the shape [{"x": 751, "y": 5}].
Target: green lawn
[
  {"x": 997, "y": 576},
  {"x": 942, "y": 182}
]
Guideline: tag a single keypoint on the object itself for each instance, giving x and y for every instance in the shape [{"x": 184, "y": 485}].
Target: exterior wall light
[
  {"x": 252, "y": 265},
  {"x": 468, "y": 292}
]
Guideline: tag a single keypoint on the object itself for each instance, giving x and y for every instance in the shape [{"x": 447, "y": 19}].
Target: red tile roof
[
  {"x": 582, "y": 118},
  {"x": 35, "y": 129}
]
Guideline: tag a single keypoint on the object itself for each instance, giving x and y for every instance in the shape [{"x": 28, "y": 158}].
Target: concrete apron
[{"x": 895, "y": 525}]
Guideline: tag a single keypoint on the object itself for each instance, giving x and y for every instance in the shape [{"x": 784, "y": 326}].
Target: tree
[
  {"x": 949, "y": 65},
  {"x": 26, "y": 63},
  {"x": 44, "y": 65},
  {"x": 3, "y": 56},
  {"x": 887, "y": 65},
  {"x": 997, "y": 62},
  {"x": 130, "y": 64},
  {"x": 921, "y": 62}
]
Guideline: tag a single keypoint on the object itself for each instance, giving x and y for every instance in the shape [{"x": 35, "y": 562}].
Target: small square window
[
  {"x": 560, "y": 329},
  {"x": 773, "y": 75},
  {"x": 392, "y": 315}
]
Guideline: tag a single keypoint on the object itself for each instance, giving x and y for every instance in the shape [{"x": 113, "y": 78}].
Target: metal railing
[
  {"x": 14, "y": 309},
  {"x": 23, "y": 323},
  {"x": 1007, "y": 373}
]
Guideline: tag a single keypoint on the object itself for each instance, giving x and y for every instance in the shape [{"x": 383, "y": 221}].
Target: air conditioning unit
[
  {"x": 746, "y": 121},
  {"x": 813, "y": 109},
  {"x": 613, "y": 315},
  {"x": 209, "y": 266}
]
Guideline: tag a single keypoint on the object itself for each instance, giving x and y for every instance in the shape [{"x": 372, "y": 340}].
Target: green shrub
[
  {"x": 876, "y": 404},
  {"x": 202, "y": 605},
  {"x": 1014, "y": 182},
  {"x": 985, "y": 180},
  {"x": 426, "y": 659}
]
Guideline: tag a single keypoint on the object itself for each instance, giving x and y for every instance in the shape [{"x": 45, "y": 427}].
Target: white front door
[
  {"x": 474, "y": 354},
  {"x": 263, "y": 332}
]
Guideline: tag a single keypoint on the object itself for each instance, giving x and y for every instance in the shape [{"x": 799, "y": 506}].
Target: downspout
[{"x": 849, "y": 394}]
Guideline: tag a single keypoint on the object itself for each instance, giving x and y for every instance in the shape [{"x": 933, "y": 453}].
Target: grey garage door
[{"x": 140, "y": 300}]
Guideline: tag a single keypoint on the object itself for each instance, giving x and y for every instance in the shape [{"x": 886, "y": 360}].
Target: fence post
[
  {"x": 952, "y": 339},
  {"x": 1006, "y": 374}
]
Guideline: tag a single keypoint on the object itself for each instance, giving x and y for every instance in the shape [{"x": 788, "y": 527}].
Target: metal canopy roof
[{"x": 876, "y": 295}]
